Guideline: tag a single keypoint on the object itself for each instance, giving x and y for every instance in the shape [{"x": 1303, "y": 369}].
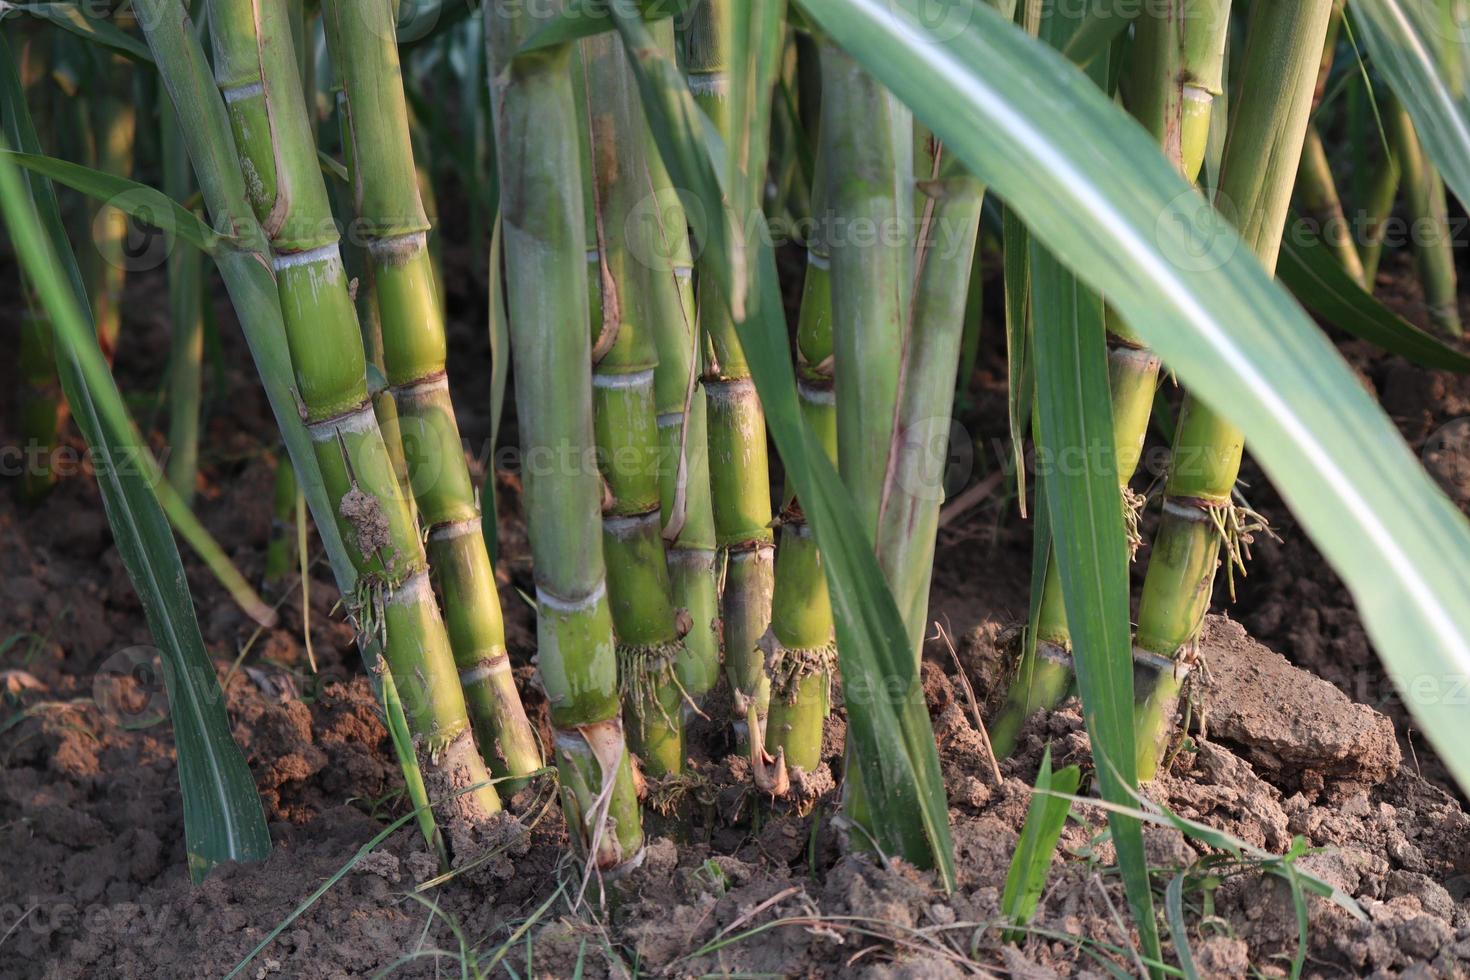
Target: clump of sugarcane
[
  {"x": 537, "y": 140},
  {"x": 393, "y": 228},
  {"x": 257, "y": 74},
  {"x": 1262, "y": 151},
  {"x": 740, "y": 480},
  {"x": 1176, "y": 74}
]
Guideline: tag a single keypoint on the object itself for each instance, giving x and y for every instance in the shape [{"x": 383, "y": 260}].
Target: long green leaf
[
  {"x": 1075, "y": 425},
  {"x": 1423, "y": 48},
  {"x": 1096, "y": 191},
  {"x": 888, "y": 723},
  {"x": 1316, "y": 278},
  {"x": 223, "y": 818}
]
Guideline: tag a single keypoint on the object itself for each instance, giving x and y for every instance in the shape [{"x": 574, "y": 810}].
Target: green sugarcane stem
[
  {"x": 1424, "y": 197},
  {"x": 625, "y": 404},
  {"x": 740, "y": 481},
  {"x": 1177, "y": 72},
  {"x": 867, "y": 149},
  {"x": 1268, "y": 130},
  {"x": 394, "y": 226},
  {"x": 186, "y": 310},
  {"x": 800, "y": 646},
  {"x": 280, "y": 550},
  {"x": 537, "y": 139},
  {"x": 256, "y": 72},
  {"x": 42, "y": 405},
  {"x": 914, "y": 485},
  {"x": 115, "y": 124},
  {"x": 1316, "y": 193},
  {"x": 686, "y": 509},
  {"x": 369, "y": 311},
  {"x": 801, "y": 652},
  {"x": 1383, "y": 191}
]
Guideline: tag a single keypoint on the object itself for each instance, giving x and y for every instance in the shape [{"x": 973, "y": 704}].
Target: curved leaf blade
[{"x": 147, "y": 205}]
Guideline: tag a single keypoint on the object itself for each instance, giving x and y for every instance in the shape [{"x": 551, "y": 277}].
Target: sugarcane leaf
[
  {"x": 147, "y": 205},
  {"x": 584, "y": 18},
  {"x": 75, "y": 18},
  {"x": 1422, "y": 47},
  {"x": 1097, "y": 192},
  {"x": 1149, "y": 812},
  {"x": 1316, "y": 278},
  {"x": 1178, "y": 928},
  {"x": 223, "y": 818},
  {"x": 1045, "y": 817},
  {"x": 888, "y": 724},
  {"x": 1085, "y": 508}
]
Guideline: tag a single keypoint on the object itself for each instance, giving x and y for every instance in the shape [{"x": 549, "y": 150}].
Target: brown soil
[{"x": 92, "y": 871}]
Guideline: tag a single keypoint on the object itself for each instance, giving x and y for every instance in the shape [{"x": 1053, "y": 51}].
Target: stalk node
[
  {"x": 643, "y": 671},
  {"x": 788, "y": 667}
]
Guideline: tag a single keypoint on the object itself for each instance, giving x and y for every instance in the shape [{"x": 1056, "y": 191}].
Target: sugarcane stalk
[
  {"x": 686, "y": 508},
  {"x": 1316, "y": 189},
  {"x": 257, "y": 75},
  {"x": 186, "y": 315},
  {"x": 115, "y": 123},
  {"x": 867, "y": 153},
  {"x": 934, "y": 329},
  {"x": 740, "y": 481},
  {"x": 281, "y": 547},
  {"x": 1176, "y": 75},
  {"x": 800, "y": 645},
  {"x": 369, "y": 310},
  {"x": 1262, "y": 153},
  {"x": 908, "y": 516},
  {"x": 393, "y": 226},
  {"x": 537, "y": 139},
  {"x": 1316, "y": 192},
  {"x": 1424, "y": 196},
  {"x": 1382, "y": 192},
  {"x": 625, "y": 409}
]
